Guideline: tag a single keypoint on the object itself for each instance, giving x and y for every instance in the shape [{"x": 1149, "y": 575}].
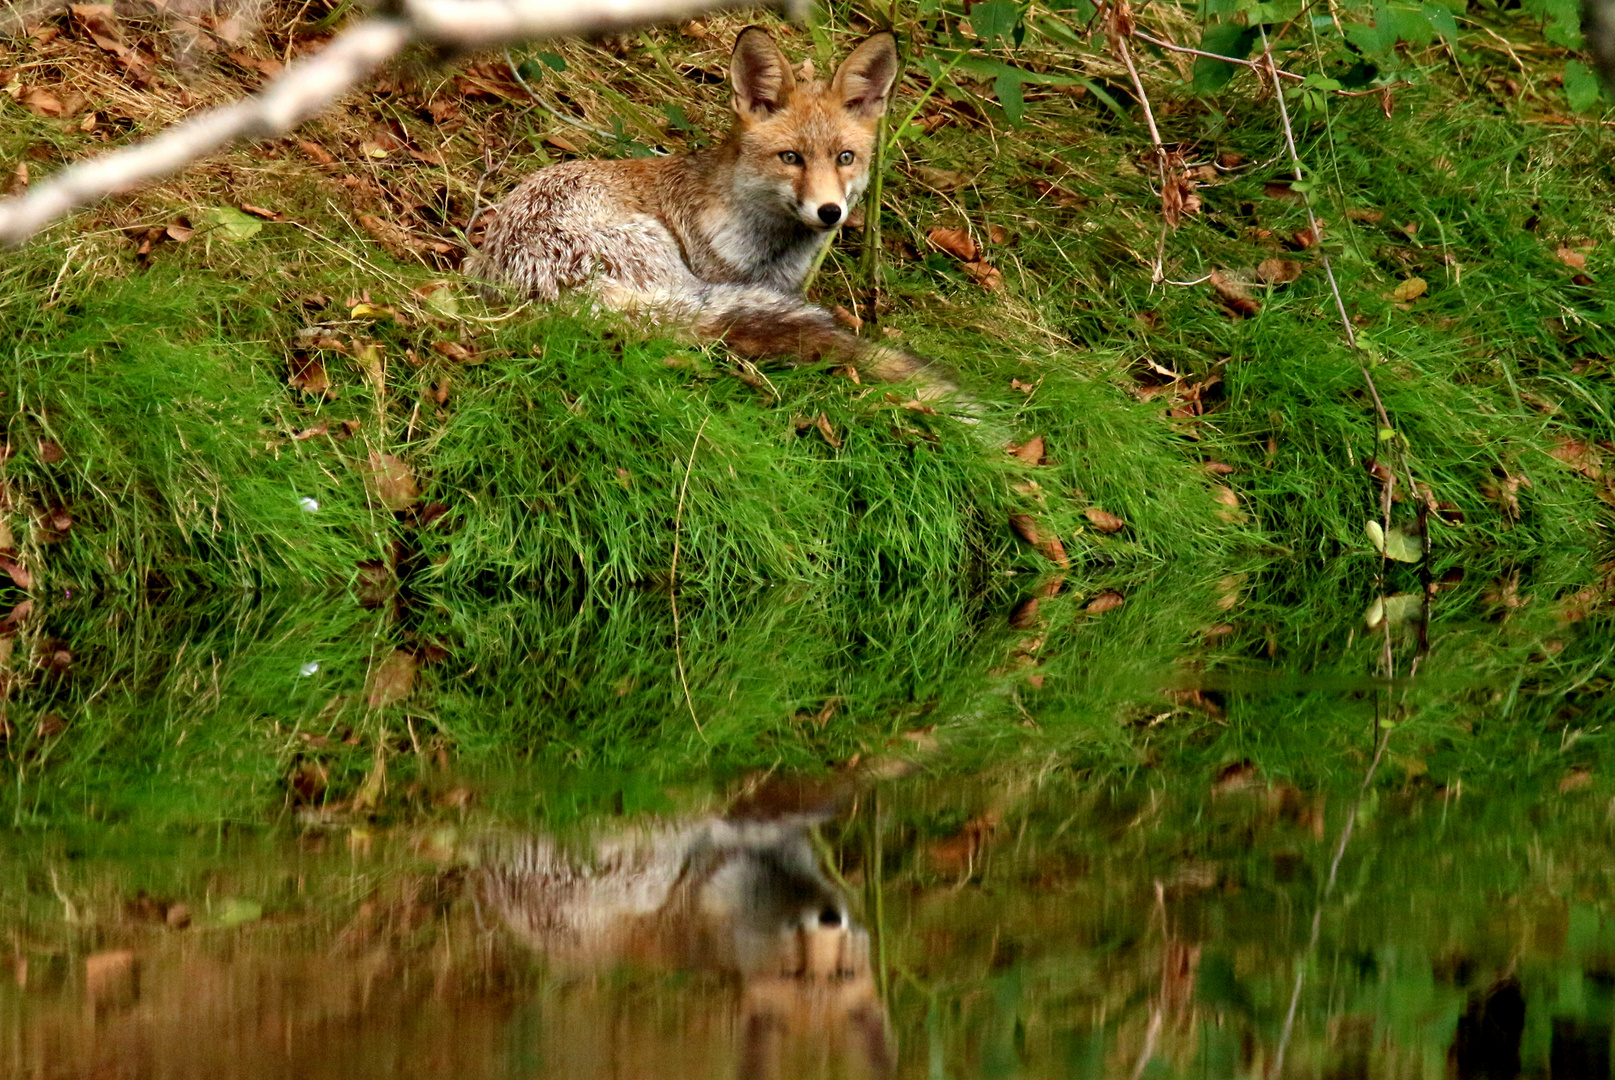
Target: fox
[
  {"x": 739, "y": 894},
  {"x": 719, "y": 242}
]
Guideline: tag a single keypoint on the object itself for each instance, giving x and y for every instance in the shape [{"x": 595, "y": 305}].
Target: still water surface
[{"x": 1018, "y": 924}]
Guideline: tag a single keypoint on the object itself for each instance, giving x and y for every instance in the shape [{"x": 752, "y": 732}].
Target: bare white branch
[{"x": 309, "y": 86}]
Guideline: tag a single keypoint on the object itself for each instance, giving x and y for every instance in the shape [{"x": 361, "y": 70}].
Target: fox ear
[
  {"x": 864, "y": 79},
  {"x": 762, "y": 79}
]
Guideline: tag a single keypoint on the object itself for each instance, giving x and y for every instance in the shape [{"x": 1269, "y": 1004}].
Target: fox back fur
[{"x": 719, "y": 241}]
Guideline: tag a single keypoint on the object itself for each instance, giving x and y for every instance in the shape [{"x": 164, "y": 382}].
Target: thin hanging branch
[{"x": 309, "y": 86}]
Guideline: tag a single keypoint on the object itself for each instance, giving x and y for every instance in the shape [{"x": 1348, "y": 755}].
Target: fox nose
[
  {"x": 829, "y": 213},
  {"x": 830, "y": 916}
]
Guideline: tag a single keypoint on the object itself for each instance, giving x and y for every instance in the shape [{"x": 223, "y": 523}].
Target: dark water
[{"x": 1019, "y": 923}]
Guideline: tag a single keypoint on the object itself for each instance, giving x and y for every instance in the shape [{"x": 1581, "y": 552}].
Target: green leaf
[
  {"x": 1561, "y": 18},
  {"x": 1406, "y": 24},
  {"x": 555, "y": 61},
  {"x": 995, "y": 20},
  {"x": 1398, "y": 609},
  {"x": 1375, "y": 42},
  {"x": 1582, "y": 88},
  {"x": 1396, "y": 544},
  {"x": 230, "y": 223},
  {"x": 1224, "y": 39},
  {"x": 1008, "y": 88}
]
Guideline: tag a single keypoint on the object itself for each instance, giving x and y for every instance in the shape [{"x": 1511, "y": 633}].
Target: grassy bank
[{"x": 299, "y": 420}]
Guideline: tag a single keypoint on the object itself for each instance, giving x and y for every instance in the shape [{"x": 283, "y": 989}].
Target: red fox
[{"x": 719, "y": 241}]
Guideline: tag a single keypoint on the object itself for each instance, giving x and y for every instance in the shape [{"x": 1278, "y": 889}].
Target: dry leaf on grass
[
  {"x": 944, "y": 181},
  {"x": 50, "y": 453},
  {"x": 1575, "y": 780},
  {"x": 456, "y": 352},
  {"x": 1049, "y": 545},
  {"x": 1581, "y": 456},
  {"x": 1103, "y": 521},
  {"x": 1409, "y": 290},
  {"x": 1031, "y": 451},
  {"x": 959, "y": 244},
  {"x": 391, "y": 482},
  {"x": 1278, "y": 271},
  {"x": 822, "y": 422},
  {"x": 18, "y": 573},
  {"x": 1106, "y": 600},
  {"x": 306, "y": 372},
  {"x": 391, "y": 681},
  {"x": 955, "y": 242},
  {"x": 1571, "y": 257},
  {"x": 1178, "y": 198},
  {"x": 1234, "y": 295}
]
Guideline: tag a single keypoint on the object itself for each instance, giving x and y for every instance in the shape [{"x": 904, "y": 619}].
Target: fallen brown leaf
[
  {"x": 1234, "y": 295},
  {"x": 1571, "y": 257},
  {"x": 1410, "y": 290},
  {"x": 1575, "y": 780},
  {"x": 1107, "y": 600},
  {"x": 1031, "y": 451},
  {"x": 455, "y": 351},
  {"x": 18, "y": 573},
  {"x": 50, "y": 453},
  {"x": 822, "y": 422},
  {"x": 1278, "y": 271},
  {"x": 985, "y": 274},
  {"x": 306, "y": 372},
  {"x": 944, "y": 181},
  {"x": 1050, "y": 546},
  {"x": 1365, "y": 215},
  {"x": 955, "y": 242},
  {"x": 1581, "y": 456},
  {"x": 320, "y": 154},
  {"x": 391, "y": 482},
  {"x": 1103, "y": 521},
  {"x": 391, "y": 681}
]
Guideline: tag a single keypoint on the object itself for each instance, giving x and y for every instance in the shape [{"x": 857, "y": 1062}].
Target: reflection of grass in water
[{"x": 1046, "y": 951}]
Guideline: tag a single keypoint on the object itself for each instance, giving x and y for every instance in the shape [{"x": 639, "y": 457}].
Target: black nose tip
[
  {"x": 829, "y": 917},
  {"x": 829, "y": 213}
]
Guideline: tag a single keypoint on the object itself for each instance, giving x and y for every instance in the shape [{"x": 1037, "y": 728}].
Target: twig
[
  {"x": 510, "y": 62},
  {"x": 306, "y": 88},
  {"x": 673, "y": 577},
  {"x": 1153, "y": 40},
  {"x": 1328, "y": 887},
  {"x": 1121, "y": 26}
]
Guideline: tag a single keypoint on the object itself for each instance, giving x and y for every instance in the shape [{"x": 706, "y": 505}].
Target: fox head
[{"x": 806, "y": 147}]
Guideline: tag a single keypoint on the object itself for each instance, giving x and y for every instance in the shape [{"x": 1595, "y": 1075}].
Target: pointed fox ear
[
  {"x": 762, "y": 79},
  {"x": 864, "y": 80}
]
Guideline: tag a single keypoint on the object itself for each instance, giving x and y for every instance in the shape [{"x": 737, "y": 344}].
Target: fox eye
[
  {"x": 845, "y": 157},
  {"x": 790, "y": 157}
]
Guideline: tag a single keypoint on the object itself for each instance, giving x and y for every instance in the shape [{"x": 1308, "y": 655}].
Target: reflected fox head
[{"x": 806, "y": 147}]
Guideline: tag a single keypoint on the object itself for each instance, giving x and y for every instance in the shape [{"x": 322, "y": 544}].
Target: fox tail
[{"x": 763, "y": 324}]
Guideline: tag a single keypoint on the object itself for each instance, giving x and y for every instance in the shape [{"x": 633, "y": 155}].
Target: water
[
  {"x": 916, "y": 837},
  {"x": 1009, "y": 925}
]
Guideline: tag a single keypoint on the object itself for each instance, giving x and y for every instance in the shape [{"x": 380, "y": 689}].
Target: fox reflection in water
[{"x": 741, "y": 895}]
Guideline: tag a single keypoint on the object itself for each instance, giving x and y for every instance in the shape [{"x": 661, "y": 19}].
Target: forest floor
[{"x": 283, "y": 500}]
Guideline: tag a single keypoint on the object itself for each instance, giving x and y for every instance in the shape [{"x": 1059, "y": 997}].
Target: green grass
[{"x": 558, "y": 473}]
